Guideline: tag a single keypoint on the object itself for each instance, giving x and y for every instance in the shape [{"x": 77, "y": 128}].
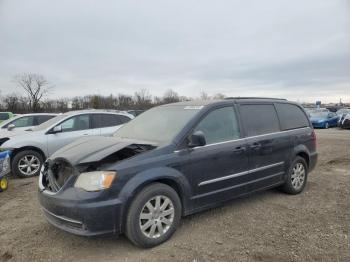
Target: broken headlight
[{"x": 95, "y": 181}]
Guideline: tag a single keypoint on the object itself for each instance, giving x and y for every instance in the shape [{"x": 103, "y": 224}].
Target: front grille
[{"x": 56, "y": 173}]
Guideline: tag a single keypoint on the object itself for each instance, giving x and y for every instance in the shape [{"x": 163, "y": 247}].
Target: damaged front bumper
[{"x": 80, "y": 212}]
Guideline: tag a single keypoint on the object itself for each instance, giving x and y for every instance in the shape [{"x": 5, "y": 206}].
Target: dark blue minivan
[{"x": 175, "y": 160}]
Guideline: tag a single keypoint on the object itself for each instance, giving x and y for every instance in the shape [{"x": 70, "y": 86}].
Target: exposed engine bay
[{"x": 57, "y": 171}]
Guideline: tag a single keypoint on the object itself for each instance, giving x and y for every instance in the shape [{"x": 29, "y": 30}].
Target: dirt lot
[{"x": 269, "y": 226}]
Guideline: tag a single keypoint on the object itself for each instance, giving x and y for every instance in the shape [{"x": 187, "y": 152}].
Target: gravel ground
[{"x": 267, "y": 226}]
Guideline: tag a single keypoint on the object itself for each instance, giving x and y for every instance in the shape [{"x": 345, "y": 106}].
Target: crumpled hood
[{"x": 93, "y": 149}]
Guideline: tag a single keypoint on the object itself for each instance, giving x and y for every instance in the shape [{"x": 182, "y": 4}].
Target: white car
[
  {"x": 30, "y": 148},
  {"x": 24, "y": 122}
]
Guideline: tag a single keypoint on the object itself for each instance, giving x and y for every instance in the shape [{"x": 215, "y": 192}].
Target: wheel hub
[{"x": 156, "y": 216}]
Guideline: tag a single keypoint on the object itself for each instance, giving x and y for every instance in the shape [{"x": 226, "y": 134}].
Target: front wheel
[
  {"x": 27, "y": 163},
  {"x": 297, "y": 177},
  {"x": 153, "y": 215}
]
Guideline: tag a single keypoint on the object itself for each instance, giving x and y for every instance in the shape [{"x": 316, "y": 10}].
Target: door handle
[
  {"x": 239, "y": 149},
  {"x": 255, "y": 146}
]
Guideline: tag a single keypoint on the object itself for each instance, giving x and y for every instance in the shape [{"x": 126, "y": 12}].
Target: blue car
[{"x": 324, "y": 119}]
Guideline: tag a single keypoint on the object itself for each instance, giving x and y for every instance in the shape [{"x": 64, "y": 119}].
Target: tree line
[{"x": 35, "y": 98}]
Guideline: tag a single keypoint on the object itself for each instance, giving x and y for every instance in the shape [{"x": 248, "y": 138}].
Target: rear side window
[
  {"x": 259, "y": 119},
  {"x": 291, "y": 116},
  {"x": 42, "y": 118},
  {"x": 219, "y": 125},
  {"x": 107, "y": 120}
]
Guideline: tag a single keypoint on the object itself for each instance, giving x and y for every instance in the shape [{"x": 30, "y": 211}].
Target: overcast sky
[{"x": 281, "y": 48}]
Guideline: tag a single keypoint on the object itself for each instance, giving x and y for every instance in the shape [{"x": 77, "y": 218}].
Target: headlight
[{"x": 95, "y": 181}]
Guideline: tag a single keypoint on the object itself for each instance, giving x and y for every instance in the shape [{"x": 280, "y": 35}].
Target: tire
[
  {"x": 326, "y": 126},
  {"x": 294, "y": 185},
  {"x": 3, "y": 183},
  {"x": 19, "y": 160},
  {"x": 139, "y": 205}
]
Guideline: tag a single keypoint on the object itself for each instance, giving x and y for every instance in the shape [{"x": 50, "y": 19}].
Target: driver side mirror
[
  {"x": 197, "y": 139},
  {"x": 10, "y": 127},
  {"x": 57, "y": 129}
]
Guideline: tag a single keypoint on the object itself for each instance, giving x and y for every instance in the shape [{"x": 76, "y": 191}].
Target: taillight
[{"x": 313, "y": 137}]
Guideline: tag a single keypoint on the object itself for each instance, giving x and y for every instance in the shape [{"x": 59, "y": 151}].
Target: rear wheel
[
  {"x": 3, "y": 184},
  {"x": 297, "y": 177},
  {"x": 326, "y": 126},
  {"x": 153, "y": 215},
  {"x": 27, "y": 163}
]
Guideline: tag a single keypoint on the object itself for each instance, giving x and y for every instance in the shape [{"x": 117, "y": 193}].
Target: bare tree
[
  {"x": 36, "y": 87},
  {"x": 204, "y": 96},
  {"x": 219, "y": 96},
  {"x": 143, "y": 99},
  {"x": 170, "y": 96}
]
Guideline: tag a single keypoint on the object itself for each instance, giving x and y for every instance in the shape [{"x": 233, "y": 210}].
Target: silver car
[
  {"x": 29, "y": 149},
  {"x": 25, "y": 121}
]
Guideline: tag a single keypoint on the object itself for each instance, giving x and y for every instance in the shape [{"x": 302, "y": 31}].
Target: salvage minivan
[{"x": 175, "y": 160}]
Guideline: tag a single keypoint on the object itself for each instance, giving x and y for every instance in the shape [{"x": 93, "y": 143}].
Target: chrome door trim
[
  {"x": 243, "y": 138},
  {"x": 235, "y": 186},
  {"x": 239, "y": 174}
]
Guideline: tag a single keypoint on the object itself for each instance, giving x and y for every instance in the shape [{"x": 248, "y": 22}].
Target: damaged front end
[{"x": 57, "y": 171}]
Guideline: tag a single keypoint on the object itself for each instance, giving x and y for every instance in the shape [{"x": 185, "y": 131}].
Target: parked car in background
[
  {"x": 322, "y": 119},
  {"x": 315, "y": 109},
  {"x": 344, "y": 121},
  {"x": 5, "y": 116},
  {"x": 343, "y": 111},
  {"x": 25, "y": 121},
  {"x": 176, "y": 160},
  {"x": 333, "y": 109},
  {"x": 29, "y": 149},
  {"x": 135, "y": 112}
]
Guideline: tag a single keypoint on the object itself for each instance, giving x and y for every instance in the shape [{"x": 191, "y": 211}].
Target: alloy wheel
[
  {"x": 298, "y": 176},
  {"x": 29, "y": 165},
  {"x": 156, "y": 216}
]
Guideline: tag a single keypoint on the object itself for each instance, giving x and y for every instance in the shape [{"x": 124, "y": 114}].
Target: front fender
[
  {"x": 162, "y": 174},
  {"x": 24, "y": 143}
]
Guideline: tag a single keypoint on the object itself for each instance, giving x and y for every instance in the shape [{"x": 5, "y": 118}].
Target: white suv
[{"x": 29, "y": 149}]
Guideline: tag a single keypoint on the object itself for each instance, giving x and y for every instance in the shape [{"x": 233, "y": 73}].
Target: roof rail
[{"x": 268, "y": 98}]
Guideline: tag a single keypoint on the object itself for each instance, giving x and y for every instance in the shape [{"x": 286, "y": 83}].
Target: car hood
[
  {"x": 6, "y": 133},
  {"x": 94, "y": 149}
]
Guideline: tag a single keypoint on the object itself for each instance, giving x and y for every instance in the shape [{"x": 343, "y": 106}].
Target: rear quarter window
[
  {"x": 259, "y": 119},
  {"x": 291, "y": 116}
]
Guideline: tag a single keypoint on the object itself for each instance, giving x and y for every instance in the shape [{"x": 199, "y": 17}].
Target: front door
[{"x": 218, "y": 169}]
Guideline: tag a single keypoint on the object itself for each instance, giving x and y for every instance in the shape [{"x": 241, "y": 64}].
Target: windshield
[
  {"x": 159, "y": 124},
  {"x": 319, "y": 114},
  {"x": 49, "y": 123}
]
